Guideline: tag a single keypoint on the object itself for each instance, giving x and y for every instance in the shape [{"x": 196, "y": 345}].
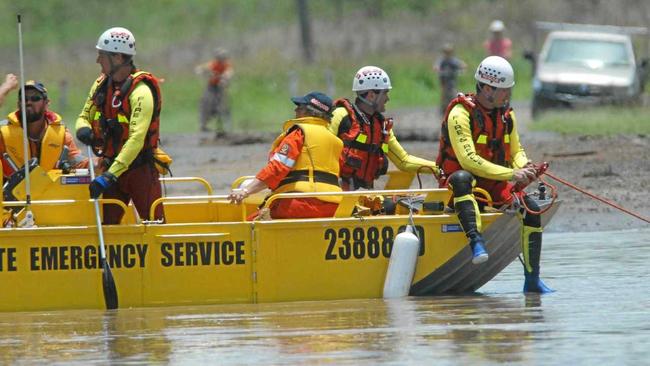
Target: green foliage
[
  {"x": 596, "y": 121},
  {"x": 173, "y": 36}
]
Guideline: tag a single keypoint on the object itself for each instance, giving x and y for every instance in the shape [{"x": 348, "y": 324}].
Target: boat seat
[
  {"x": 346, "y": 206},
  {"x": 398, "y": 179},
  {"x": 202, "y": 211}
]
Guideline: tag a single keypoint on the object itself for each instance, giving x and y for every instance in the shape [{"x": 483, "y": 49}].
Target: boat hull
[
  {"x": 206, "y": 253},
  {"x": 209, "y": 263}
]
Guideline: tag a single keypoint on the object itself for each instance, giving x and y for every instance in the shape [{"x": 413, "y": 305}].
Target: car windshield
[{"x": 591, "y": 54}]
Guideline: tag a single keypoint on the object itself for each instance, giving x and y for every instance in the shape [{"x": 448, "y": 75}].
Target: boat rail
[
  {"x": 77, "y": 205},
  {"x": 203, "y": 181},
  {"x": 209, "y": 204}
]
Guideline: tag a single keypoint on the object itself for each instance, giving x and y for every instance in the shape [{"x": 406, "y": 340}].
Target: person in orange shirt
[
  {"x": 49, "y": 140},
  {"x": 304, "y": 158},
  {"x": 214, "y": 102},
  {"x": 498, "y": 44}
]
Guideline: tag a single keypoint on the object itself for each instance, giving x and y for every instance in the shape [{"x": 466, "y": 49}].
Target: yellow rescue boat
[{"x": 206, "y": 253}]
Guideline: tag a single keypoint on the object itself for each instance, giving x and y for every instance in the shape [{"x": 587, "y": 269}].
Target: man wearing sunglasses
[
  {"x": 120, "y": 121},
  {"x": 49, "y": 140},
  {"x": 367, "y": 135}
]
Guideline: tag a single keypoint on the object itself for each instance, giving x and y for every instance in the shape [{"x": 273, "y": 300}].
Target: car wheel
[{"x": 536, "y": 107}]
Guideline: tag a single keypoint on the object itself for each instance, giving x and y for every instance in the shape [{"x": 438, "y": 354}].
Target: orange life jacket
[
  {"x": 218, "y": 68},
  {"x": 110, "y": 122},
  {"x": 490, "y": 133},
  {"x": 365, "y": 146}
]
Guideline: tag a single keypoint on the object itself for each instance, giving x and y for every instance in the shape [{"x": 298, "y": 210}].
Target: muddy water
[{"x": 599, "y": 315}]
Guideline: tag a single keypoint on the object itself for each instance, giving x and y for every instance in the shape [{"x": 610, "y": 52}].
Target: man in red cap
[{"x": 304, "y": 158}]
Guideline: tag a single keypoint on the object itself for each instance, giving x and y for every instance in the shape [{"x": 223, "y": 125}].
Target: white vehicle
[{"x": 587, "y": 65}]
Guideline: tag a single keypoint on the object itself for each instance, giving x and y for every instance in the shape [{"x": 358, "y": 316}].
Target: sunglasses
[{"x": 34, "y": 98}]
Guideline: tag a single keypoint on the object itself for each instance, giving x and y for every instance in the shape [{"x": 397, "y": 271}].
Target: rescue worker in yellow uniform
[
  {"x": 120, "y": 120},
  {"x": 479, "y": 146},
  {"x": 49, "y": 140},
  {"x": 304, "y": 158},
  {"x": 368, "y": 138}
]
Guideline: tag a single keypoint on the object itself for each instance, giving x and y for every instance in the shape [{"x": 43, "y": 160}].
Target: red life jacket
[
  {"x": 218, "y": 68},
  {"x": 365, "y": 145},
  {"x": 111, "y": 121},
  {"x": 491, "y": 137}
]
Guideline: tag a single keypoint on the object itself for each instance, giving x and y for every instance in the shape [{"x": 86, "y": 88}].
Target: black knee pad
[
  {"x": 461, "y": 183},
  {"x": 532, "y": 220}
]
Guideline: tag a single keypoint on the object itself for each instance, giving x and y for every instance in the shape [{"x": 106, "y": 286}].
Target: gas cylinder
[{"x": 401, "y": 265}]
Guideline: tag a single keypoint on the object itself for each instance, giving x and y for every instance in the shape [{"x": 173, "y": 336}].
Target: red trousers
[
  {"x": 300, "y": 208},
  {"x": 139, "y": 184}
]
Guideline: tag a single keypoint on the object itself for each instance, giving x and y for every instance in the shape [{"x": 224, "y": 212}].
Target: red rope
[
  {"x": 607, "y": 202},
  {"x": 518, "y": 191},
  {"x": 520, "y": 194},
  {"x": 553, "y": 194}
]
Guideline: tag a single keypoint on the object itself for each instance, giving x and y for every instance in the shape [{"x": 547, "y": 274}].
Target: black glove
[
  {"x": 85, "y": 135},
  {"x": 100, "y": 184}
]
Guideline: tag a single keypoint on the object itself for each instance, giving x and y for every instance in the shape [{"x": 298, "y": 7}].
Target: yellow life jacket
[
  {"x": 51, "y": 144},
  {"x": 317, "y": 166}
]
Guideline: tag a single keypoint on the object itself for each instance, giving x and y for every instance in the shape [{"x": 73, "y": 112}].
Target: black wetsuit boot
[
  {"x": 467, "y": 215},
  {"x": 531, "y": 247}
]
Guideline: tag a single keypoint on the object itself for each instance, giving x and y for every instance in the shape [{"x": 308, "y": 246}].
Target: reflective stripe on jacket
[
  {"x": 111, "y": 112},
  {"x": 490, "y": 135},
  {"x": 317, "y": 167},
  {"x": 365, "y": 144}
]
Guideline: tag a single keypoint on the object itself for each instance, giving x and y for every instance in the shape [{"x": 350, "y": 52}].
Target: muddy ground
[{"x": 615, "y": 168}]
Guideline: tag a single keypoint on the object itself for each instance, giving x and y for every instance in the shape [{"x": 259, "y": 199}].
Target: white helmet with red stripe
[
  {"x": 495, "y": 71},
  {"x": 371, "y": 78},
  {"x": 117, "y": 40}
]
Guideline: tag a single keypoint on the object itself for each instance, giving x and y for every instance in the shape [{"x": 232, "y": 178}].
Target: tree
[{"x": 305, "y": 31}]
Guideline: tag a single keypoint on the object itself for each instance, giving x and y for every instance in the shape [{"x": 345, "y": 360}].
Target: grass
[
  {"x": 176, "y": 35},
  {"x": 596, "y": 121}
]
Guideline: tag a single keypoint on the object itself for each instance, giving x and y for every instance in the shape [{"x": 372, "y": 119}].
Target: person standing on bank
[
  {"x": 214, "y": 102},
  {"x": 479, "y": 146},
  {"x": 448, "y": 68},
  {"x": 120, "y": 120},
  {"x": 304, "y": 158},
  {"x": 367, "y": 135},
  {"x": 498, "y": 44}
]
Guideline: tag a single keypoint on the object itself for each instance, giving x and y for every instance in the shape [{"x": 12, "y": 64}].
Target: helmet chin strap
[
  {"x": 372, "y": 105},
  {"x": 490, "y": 99},
  {"x": 115, "y": 68}
]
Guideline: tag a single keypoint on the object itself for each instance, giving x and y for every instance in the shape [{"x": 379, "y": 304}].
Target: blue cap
[
  {"x": 317, "y": 100},
  {"x": 36, "y": 85}
]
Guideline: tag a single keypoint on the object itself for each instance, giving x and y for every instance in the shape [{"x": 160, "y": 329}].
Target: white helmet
[
  {"x": 117, "y": 40},
  {"x": 495, "y": 71},
  {"x": 497, "y": 26},
  {"x": 371, "y": 78}
]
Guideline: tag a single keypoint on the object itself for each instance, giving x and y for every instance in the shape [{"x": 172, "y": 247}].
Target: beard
[{"x": 33, "y": 116}]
